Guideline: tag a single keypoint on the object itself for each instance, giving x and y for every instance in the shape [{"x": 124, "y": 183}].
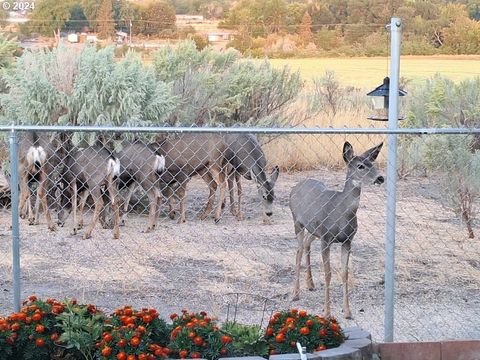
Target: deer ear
[
  {"x": 274, "y": 174},
  {"x": 372, "y": 153},
  {"x": 347, "y": 152}
]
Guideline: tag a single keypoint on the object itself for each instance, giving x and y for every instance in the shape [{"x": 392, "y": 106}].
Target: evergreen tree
[
  {"x": 105, "y": 23},
  {"x": 305, "y": 30}
]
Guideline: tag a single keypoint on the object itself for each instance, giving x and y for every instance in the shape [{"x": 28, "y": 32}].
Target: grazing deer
[
  {"x": 38, "y": 158},
  {"x": 93, "y": 171},
  {"x": 331, "y": 216},
  {"x": 246, "y": 158},
  {"x": 215, "y": 157}
]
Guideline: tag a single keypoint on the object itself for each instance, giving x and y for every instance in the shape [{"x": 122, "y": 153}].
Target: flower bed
[{"x": 66, "y": 330}]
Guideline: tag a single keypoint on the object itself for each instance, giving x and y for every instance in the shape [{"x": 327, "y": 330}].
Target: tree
[
  {"x": 106, "y": 25},
  {"x": 155, "y": 18},
  {"x": 261, "y": 17},
  {"x": 294, "y": 15},
  {"x": 7, "y": 48},
  {"x": 77, "y": 19},
  {"x": 49, "y": 17},
  {"x": 90, "y": 9},
  {"x": 305, "y": 30}
]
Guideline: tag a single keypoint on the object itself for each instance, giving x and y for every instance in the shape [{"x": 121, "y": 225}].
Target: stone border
[{"x": 357, "y": 346}]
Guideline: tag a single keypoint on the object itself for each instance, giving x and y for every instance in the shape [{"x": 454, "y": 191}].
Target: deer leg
[
  {"x": 74, "y": 208},
  {"x": 346, "y": 246},
  {"x": 181, "y": 195},
  {"x": 219, "y": 177},
  {"x": 113, "y": 193},
  {"x": 328, "y": 276},
  {"x": 38, "y": 199},
  {"x": 131, "y": 190},
  {"x": 231, "y": 192},
  {"x": 300, "y": 233},
  {"x": 152, "y": 216},
  {"x": 212, "y": 187},
  {"x": 42, "y": 195},
  {"x": 98, "y": 200},
  {"x": 83, "y": 201},
  {"x": 240, "y": 215},
  {"x": 24, "y": 195},
  {"x": 171, "y": 207},
  {"x": 308, "y": 246}
]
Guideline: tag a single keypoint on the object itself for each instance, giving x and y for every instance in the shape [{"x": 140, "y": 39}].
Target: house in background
[{"x": 219, "y": 36}]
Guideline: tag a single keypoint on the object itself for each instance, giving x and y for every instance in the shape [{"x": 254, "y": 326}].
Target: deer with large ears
[{"x": 331, "y": 216}]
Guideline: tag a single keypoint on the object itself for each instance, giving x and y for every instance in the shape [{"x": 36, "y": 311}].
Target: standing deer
[
  {"x": 141, "y": 165},
  {"x": 93, "y": 170},
  {"x": 331, "y": 216},
  {"x": 38, "y": 158}
]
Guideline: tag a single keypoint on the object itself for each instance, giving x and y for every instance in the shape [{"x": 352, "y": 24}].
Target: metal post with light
[{"x": 392, "y": 105}]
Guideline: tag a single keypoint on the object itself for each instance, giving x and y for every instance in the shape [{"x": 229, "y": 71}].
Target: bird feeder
[{"x": 380, "y": 99}]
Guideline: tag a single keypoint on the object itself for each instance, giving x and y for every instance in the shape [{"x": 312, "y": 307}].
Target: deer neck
[{"x": 351, "y": 193}]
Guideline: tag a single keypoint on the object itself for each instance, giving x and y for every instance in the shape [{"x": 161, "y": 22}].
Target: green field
[{"x": 369, "y": 72}]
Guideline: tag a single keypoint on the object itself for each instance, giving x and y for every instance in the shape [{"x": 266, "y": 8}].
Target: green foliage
[
  {"x": 85, "y": 89},
  {"x": 7, "y": 49},
  {"x": 81, "y": 327},
  {"x": 48, "y": 17},
  {"x": 77, "y": 19},
  {"x": 453, "y": 155},
  {"x": 443, "y": 103},
  {"x": 90, "y": 9},
  {"x": 247, "y": 339},
  {"x": 214, "y": 87},
  {"x": 105, "y": 25},
  {"x": 155, "y": 18},
  {"x": 40, "y": 86}
]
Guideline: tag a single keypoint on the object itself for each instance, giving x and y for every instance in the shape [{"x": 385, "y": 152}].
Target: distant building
[
  {"x": 189, "y": 19},
  {"x": 73, "y": 38},
  {"x": 219, "y": 36}
]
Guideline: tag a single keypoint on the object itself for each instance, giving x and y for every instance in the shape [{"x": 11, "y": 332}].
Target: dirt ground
[{"x": 197, "y": 265}]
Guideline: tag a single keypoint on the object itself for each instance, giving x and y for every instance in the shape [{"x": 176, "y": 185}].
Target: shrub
[
  {"x": 247, "y": 339},
  {"x": 311, "y": 331},
  {"x": 31, "y": 333},
  {"x": 81, "y": 327},
  {"x": 195, "y": 335}
]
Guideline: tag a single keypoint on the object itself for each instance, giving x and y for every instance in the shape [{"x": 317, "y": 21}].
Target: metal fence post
[
  {"x": 396, "y": 32},
  {"x": 15, "y": 222}
]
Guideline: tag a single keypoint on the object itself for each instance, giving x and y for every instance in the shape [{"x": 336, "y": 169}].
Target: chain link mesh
[{"x": 193, "y": 263}]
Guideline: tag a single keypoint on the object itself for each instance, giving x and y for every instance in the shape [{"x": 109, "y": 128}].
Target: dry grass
[
  {"x": 369, "y": 72},
  {"x": 297, "y": 152}
]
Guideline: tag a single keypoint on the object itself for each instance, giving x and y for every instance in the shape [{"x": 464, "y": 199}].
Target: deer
[
  {"x": 38, "y": 159},
  {"x": 331, "y": 216},
  {"x": 215, "y": 157},
  {"x": 246, "y": 158},
  {"x": 90, "y": 171},
  {"x": 142, "y": 166}
]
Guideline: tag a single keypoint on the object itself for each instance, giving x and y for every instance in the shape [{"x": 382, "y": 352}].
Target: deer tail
[
  {"x": 159, "y": 165},
  {"x": 113, "y": 167}
]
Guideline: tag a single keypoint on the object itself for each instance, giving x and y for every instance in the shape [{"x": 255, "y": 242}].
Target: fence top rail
[{"x": 238, "y": 130}]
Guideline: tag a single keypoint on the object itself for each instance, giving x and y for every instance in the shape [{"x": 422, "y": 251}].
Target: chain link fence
[{"x": 162, "y": 237}]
